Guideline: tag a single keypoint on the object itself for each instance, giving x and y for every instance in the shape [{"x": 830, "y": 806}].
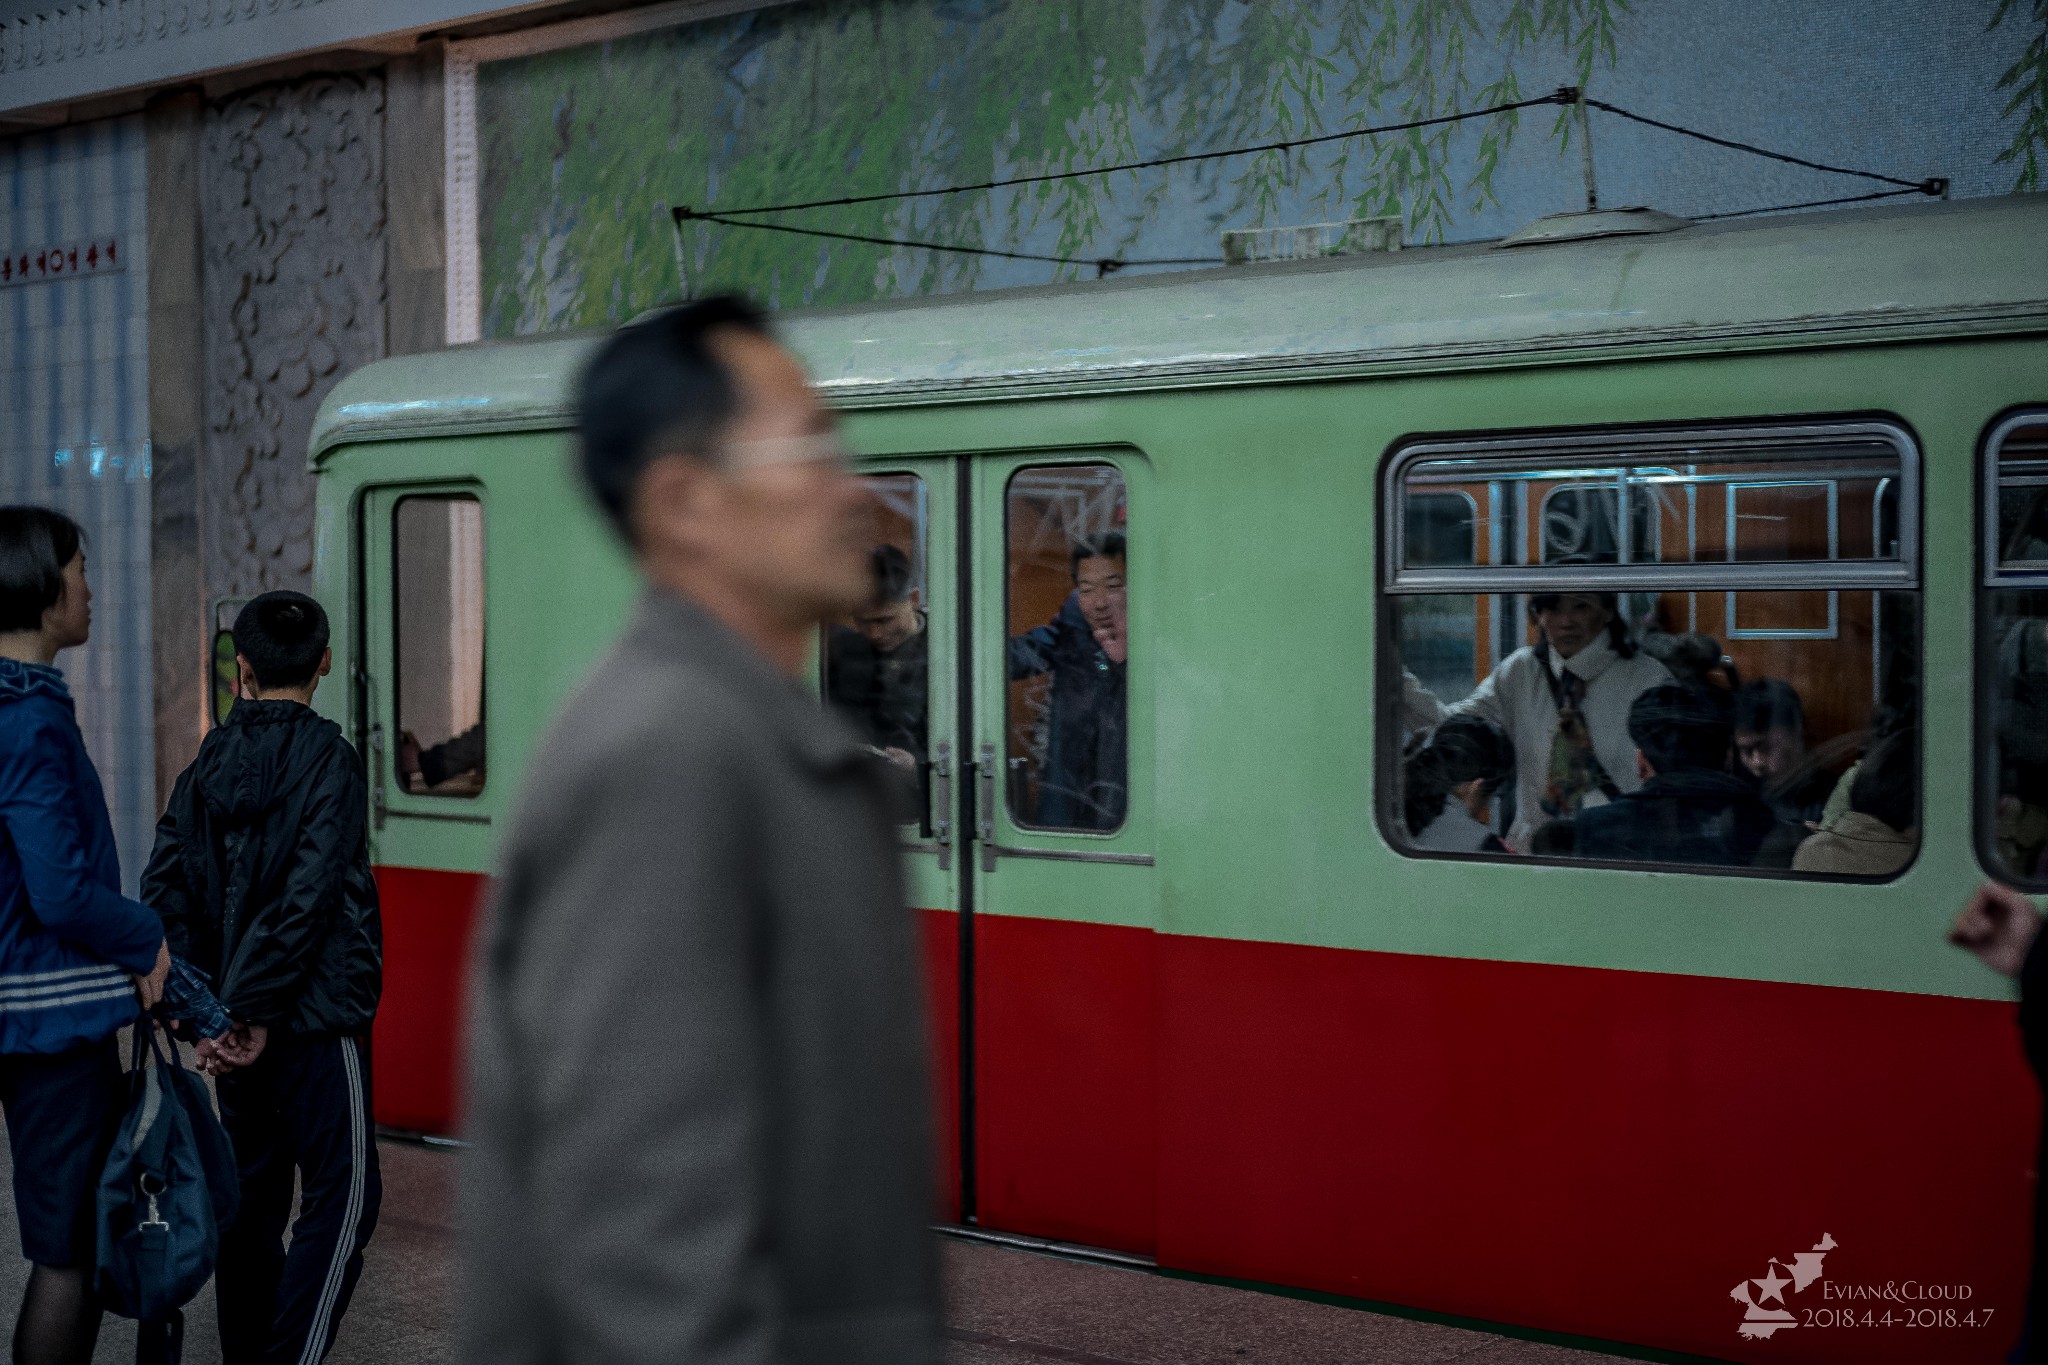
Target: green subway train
[{"x": 1303, "y": 669}]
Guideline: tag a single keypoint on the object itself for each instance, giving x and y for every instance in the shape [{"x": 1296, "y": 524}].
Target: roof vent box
[
  {"x": 1312, "y": 241},
  {"x": 1578, "y": 227}
]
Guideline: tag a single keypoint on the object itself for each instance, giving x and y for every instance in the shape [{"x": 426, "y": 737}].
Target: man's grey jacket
[{"x": 699, "y": 1107}]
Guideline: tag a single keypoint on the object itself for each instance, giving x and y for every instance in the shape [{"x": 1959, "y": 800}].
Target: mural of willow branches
[
  {"x": 2027, "y": 79},
  {"x": 584, "y": 150}
]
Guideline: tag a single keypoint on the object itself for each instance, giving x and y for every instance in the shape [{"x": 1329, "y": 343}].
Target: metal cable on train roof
[
  {"x": 1104, "y": 265},
  {"x": 1808, "y": 204},
  {"x": 1562, "y": 95},
  {"x": 1934, "y": 187},
  {"x": 1568, "y": 95}
]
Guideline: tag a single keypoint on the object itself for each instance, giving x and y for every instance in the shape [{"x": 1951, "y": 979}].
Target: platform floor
[{"x": 1005, "y": 1307}]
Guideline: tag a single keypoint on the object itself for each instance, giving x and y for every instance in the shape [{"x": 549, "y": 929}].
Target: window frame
[
  {"x": 1566, "y": 448},
  {"x": 1606, "y": 447},
  {"x": 1471, "y": 503},
  {"x": 1995, "y": 576},
  {"x": 1004, "y": 755},
  {"x": 921, "y": 568},
  {"x": 1624, "y": 527},
  {"x": 399, "y": 497}
]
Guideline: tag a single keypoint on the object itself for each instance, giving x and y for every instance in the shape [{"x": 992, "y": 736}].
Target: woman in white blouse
[{"x": 1564, "y": 702}]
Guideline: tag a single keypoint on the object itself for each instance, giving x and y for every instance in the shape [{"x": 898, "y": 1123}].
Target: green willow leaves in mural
[
  {"x": 2027, "y": 78},
  {"x": 586, "y": 148}
]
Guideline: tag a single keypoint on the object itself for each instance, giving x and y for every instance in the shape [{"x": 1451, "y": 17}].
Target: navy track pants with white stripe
[{"x": 303, "y": 1108}]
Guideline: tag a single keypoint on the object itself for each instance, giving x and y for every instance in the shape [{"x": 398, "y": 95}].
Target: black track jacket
[{"x": 262, "y": 872}]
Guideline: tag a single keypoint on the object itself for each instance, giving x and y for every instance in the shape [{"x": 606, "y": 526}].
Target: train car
[{"x": 1206, "y": 990}]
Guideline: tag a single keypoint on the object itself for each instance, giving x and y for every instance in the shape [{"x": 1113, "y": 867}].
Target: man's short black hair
[
  {"x": 1766, "y": 704},
  {"x": 655, "y": 387},
  {"x": 1681, "y": 727},
  {"x": 35, "y": 545},
  {"x": 1106, "y": 546},
  {"x": 282, "y": 635},
  {"x": 891, "y": 570}
]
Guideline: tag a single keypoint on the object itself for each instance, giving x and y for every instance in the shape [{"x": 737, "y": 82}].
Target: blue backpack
[{"x": 168, "y": 1189}]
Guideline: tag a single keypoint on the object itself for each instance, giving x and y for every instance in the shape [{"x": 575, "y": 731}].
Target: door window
[
  {"x": 1066, "y": 731},
  {"x": 878, "y": 661},
  {"x": 438, "y": 587}
]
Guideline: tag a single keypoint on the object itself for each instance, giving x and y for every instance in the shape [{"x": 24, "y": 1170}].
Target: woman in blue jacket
[{"x": 74, "y": 952}]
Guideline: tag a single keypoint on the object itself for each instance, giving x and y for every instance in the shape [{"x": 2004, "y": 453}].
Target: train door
[
  {"x": 1063, "y": 892},
  {"x": 894, "y": 670},
  {"x": 1004, "y": 665},
  {"x": 421, "y": 678}
]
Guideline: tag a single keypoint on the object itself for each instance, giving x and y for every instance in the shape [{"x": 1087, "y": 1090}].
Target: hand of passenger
[
  {"x": 207, "y": 1053},
  {"x": 408, "y": 755},
  {"x": 242, "y": 1044},
  {"x": 1114, "y": 642},
  {"x": 1998, "y": 925},
  {"x": 150, "y": 989},
  {"x": 902, "y": 758}
]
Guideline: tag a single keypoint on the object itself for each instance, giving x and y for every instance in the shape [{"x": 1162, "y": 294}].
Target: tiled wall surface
[{"x": 74, "y": 419}]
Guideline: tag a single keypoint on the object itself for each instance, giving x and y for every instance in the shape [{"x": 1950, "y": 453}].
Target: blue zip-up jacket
[{"x": 68, "y": 937}]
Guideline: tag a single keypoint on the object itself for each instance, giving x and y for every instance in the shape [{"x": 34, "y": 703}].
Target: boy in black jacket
[{"x": 262, "y": 875}]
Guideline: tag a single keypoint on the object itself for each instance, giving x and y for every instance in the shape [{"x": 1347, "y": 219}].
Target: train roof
[{"x": 1972, "y": 267}]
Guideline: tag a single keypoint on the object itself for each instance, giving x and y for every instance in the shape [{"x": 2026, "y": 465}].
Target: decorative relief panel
[{"x": 292, "y": 222}]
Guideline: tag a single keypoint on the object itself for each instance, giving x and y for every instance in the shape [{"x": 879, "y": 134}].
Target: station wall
[
  {"x": 74, "y": 420},
  {"x": 583, "y": 150}
]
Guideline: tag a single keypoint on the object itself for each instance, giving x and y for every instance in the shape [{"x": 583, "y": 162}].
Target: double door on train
[{"x": 1006, "y": 669}]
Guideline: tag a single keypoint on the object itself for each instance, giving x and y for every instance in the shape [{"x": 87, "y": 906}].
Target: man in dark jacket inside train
[
  {"x": 699, "y": 1099},
  {"x": 878, "y": 670},
  {"x": 1085, "y": 647},
  {"x": 261, "y": 873},
  {"x": 1690, "y": 808}
]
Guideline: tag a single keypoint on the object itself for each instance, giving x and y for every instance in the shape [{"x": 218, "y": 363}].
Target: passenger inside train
[
  {"x": 877, "y": 671},
  {"x": 1083, "y": 651},
  {"x": 1770, "y": 741},
  {"x": 1878, "y": 833},
  {"x": 1451, "y": 778},
  {"x": 1690, "y": 808},
  {"x": 1635, "y": 738},
  {"x": 1563, "y": 703}
]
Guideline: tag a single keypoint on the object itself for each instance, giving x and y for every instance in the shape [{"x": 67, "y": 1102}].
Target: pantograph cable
[
  {"x": 1562, "y": 95},
  {"x": 1104, "y": 265},
  {"x": 1808, "y": 204},
  {"x": 1933, "y": 187}
]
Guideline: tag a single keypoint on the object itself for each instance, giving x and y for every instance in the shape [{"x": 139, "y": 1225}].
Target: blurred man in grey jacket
[{"x": 698, "y": 1092}]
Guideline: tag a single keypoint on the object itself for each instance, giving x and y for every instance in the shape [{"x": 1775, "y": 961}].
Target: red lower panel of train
[
  {"x": 429, "y": 924},
  {"x": 1746, "y": 1170},
  {"x": 1612, "y": 1154}
]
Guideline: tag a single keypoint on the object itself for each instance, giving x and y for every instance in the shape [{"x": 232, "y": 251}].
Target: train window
[
  {"x": 1442, "y": 529},
  {"x": 226, "y": 672},
  {"x": 438, "y": 584},
  {"x": 2015, "y": 667},
  {"x": 1725, "y": 676},
  {"x": 1582, "y": 524},
  {"x": 1065, "y": 731},
  {"x": 877, "y": 663}
]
